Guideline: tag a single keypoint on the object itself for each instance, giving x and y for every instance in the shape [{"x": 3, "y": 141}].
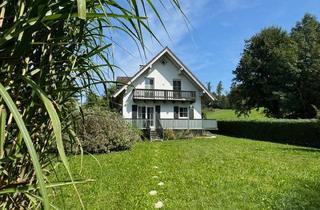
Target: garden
[
  {"x": 62, "y": 147},
  {"x": 202, "y": 173}
]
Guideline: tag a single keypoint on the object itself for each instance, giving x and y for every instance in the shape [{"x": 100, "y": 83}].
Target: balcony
[{"x": 164, "y": 95}]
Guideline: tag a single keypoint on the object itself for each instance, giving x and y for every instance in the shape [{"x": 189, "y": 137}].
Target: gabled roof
[{"x": 183, "y": 68}]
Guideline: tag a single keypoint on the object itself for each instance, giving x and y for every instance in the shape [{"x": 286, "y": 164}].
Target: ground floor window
[
  {"x": 183, "y": 112},
  {"x": 141, "y": 112}
]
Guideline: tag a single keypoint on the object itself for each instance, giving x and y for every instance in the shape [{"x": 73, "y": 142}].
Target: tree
[
  {"x": 219, "y": 89},
  {"x": 281, "y": 72},
  {"x": 222, "y": 101},
  {"x": 267, "y": 73},
  {"x": 92, "y": 99},
  {"x": 306, "y": 34},
  {"x": 111, "y": 104},
  {"x": 209, "y": 86}
]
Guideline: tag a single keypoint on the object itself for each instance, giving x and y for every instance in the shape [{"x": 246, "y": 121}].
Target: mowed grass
[
  {"x": 229, "y": 114},
  {"x": 220, "y": 173}
]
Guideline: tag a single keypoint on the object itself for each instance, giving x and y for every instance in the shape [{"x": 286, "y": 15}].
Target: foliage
[
  {"x": 280, "y": 72},
  {"x": 181, "y": 134},
  {"x": 222, "y": 99},
  {"x": 108, "y": 96},
  {"x": 186, "y": 134},
  {"x": 209, "y": 87},
  {"x": 51, "y": 52},
  {"x": 219, "y": 89},
  {"x": 269, "y": 59},
  {"x": 218, "y": 173},
  {"x": 306, "y": 34},
  {"x": 295, "y": 132},
  {"x": 103, "y": 131},
  {"x": 104, "y": 101},
  {"x": 169, "y": 134}
]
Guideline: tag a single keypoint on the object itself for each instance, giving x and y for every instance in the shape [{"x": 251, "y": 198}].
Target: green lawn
[
  {"x": 229, "y": 114},
  {"x": 221, "y": 173}
]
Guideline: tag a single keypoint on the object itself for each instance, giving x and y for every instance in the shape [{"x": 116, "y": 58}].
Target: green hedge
[{"x": 296, "y": 132}]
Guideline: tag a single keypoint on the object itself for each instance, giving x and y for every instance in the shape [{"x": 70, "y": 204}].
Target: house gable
[
  {"x": 164, "y": 72},
  {"x": 165, "y": 67}
]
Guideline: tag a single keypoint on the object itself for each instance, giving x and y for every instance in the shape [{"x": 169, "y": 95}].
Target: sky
[{"x": 211, "y": 45}]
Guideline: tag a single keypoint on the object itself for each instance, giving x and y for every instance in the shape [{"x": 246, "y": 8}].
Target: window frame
[
  {"x": 148, "y": 85},
  {"x": 180, "y": 112},
  {"x": 176, "y": 80},
  {"x": 140, "y": 113}
]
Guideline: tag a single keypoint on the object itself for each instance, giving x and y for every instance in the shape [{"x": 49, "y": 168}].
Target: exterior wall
[{"x": 163, "y": 79}]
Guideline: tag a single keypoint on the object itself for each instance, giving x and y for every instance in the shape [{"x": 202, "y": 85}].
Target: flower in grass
[
  {"x": 160, "y": 183},
  {"x": 155, "y": 167},
  {"x": 152, "y": 192},
  {"x": 158, "y": 205},
  {"x": 155, "y": 177}
]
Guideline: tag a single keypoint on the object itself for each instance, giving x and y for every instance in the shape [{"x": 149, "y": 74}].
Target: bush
[
  {"x": 185, "y": 134},
  {"x": 102, "y": 131},
  {"x": 180, "y": 134},
  {"x": 169, "y": 134},
  {"x": 296, "y": 132}
]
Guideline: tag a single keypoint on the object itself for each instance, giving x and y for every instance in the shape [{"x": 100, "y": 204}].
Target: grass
[
  {"x": 229, "y": 114},
  {"x": 221, "y": 173}
]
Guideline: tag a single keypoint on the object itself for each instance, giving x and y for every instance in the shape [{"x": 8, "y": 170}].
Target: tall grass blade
[
  {"x": 56, "y": 124},
  {"x": 81, "y": 9},
  {"x": 3, "y": 116},
  {"x": 27, "y": 139}
]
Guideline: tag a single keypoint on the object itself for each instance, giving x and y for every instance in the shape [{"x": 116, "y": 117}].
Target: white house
[{"x": 163, "y": 94}]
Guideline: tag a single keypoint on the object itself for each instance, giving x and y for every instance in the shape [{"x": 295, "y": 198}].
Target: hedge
[{"x": 295, "y": 132}]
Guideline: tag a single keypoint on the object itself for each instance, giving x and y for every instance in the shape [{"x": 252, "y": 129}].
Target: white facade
[
  {"x": 163, "y": 75},
  {"x": 164, "y": 69}
]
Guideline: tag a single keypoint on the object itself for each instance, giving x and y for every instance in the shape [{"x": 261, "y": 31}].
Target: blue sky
[{"x": 212, "y": 46}]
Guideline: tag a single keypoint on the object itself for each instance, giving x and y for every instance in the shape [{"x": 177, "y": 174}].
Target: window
[
  {"x": 141, "y": 112},
  {"x": 149, "y": 83},
  {"x": 183, "y": 112},
  {"x": 176, "y": 88},
  {"x": 177, "y": 85}
]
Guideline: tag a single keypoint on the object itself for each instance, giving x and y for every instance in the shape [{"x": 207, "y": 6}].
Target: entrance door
[
  {"x": 150, "y": 117},
  {"x": 158, "y": 110}
]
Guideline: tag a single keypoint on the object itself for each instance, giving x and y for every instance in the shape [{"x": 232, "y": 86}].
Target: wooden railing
[
  {"x": 191, "y": 124},
  {"x": 158, "y": 94}
]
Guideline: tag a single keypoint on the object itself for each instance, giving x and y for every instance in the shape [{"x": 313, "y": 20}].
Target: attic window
[{"x": 164, "y": 62}]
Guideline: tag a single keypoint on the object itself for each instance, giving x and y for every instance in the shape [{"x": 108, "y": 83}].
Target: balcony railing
[
  {"x": 157, "y": 94},
  {"x": 176, "y": 124}
]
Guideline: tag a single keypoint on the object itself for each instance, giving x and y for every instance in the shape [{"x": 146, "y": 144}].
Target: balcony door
[
  {"x": 176, "y": 88},
  {"x": 149, "y": 86}
]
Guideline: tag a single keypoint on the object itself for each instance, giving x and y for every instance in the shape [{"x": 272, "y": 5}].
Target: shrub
[
  {"x": 296, "y": 132},
  {"x": 185, "y": 134},
  {"x": 102, "y": 131},
  {"x": 169, "y": 134}
]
